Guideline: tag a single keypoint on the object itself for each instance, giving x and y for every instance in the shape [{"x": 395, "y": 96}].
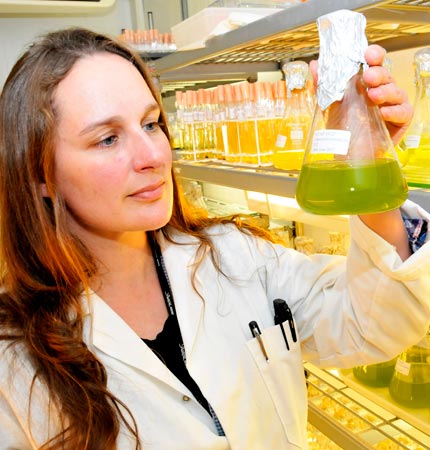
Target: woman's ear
[{"x": 43, "y": 190}]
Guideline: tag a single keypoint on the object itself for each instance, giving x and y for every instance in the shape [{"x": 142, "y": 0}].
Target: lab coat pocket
[{"x": 283, "y": 375}]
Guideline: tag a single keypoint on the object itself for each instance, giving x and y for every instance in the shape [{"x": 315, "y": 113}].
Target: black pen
[
  {"x": 280, "y": 316},
  {"x": 283, "y": 313},
  {"x": 255, "y": 330}
]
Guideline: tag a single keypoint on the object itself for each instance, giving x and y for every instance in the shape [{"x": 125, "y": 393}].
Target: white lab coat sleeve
[{"x": 365, "y": 308}]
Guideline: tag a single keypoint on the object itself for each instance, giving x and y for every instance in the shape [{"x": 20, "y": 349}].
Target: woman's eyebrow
[{"x": 151, "y": 107}]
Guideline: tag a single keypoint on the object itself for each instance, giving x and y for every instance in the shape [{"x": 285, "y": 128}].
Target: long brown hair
[{"x": 44, "y": 268}]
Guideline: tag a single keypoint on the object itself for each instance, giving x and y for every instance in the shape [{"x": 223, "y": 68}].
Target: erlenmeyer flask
[
  {"x": 350, "y": 166},
  {"x": 410, "y": 385},
  {"x": 417, "y": 138},
  {"x": 375, "y": 375},
  {"x": 293, "y": 130}
]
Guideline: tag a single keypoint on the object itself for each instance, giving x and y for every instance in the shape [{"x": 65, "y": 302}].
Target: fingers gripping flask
[{"x": 350, "y": 165}]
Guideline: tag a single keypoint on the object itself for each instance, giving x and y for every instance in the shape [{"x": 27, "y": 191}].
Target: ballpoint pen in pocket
[{"x": 255, "y": 330}]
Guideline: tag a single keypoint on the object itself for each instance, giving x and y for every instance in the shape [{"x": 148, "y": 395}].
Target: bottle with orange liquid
[{"x": 293, "y": 131}]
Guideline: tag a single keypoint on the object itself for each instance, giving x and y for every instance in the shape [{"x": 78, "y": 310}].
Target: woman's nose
[{"x": 149, "y": 150}]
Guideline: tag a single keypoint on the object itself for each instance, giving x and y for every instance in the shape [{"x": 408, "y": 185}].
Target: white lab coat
[{"x": 346, "y": 314}]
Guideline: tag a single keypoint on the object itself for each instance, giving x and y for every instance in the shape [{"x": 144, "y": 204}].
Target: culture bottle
[
  {"x": 246, "y": 123},
  {"x": 293, "y": 130},
  {"x": 265, "y": 121},
  {"x": 375, "y": 375},
  {"x": 350, "y": 165},
  {"x": 418, "y": 135},
  {"x": 410, "y": 385},
  {"x": 231, "y": 144},
  {"x": 220, "y": 122}
]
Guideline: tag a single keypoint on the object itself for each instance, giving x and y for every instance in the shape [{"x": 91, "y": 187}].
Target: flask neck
[
  {"x": 297, "y": 102},
  {"x": 423, "y": 87}
]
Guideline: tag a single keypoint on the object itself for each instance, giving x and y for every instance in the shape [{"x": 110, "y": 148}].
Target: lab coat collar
[
  {"x": 108, "y": 333},
  {"x": 113, "y": 337}
]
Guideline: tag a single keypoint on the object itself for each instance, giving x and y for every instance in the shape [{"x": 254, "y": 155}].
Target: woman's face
[{"x": 112, "y": 160}]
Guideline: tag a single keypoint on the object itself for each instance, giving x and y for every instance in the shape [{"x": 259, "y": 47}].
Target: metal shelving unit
[{"x": 292, "y": 33}]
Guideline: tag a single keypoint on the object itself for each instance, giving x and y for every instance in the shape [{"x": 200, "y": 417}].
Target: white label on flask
[
  {"x": 331, "y": 141},
  {"x": 403, "y": 367},
  {"x": 297, "y": 135},
  {"x": 280, "y": 141},
  {"x": 413, "y": 141}
]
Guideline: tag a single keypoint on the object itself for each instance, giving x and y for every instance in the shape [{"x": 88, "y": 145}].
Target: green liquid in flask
[
  {"x": 351, "y": 187},
  {"x": 376, "y": 375},
  {"x": 412, "y": 390}
]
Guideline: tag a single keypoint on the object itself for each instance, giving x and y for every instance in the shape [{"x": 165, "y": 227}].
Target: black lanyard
[
  {"x": 165, "y": 287},
  {"x": 168, "y": 298}
]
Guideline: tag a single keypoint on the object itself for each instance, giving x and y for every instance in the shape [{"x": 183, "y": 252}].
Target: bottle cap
[
  {"x": 422, "y": 62},
  {"x": 296, "y": 73}
]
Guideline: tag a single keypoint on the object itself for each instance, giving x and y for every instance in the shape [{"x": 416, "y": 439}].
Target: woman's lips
[{"x": 150, "y": 192}]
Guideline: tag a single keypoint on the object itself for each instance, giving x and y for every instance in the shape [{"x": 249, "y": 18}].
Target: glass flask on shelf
[
  {"x": 350, "y": 165},
  {"x": 293, "y": 130},
  {"x": 375, "y": 375},
  {"x": 410, "y": 384},
  {"x": 417, "y": 138},
  {"x": 401, "y": 149}
]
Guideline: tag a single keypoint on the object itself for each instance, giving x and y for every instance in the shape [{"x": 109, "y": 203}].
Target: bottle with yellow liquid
[
  {"x": 220, "y": 122},
  {"x": 410, "y": 384},
  {"x": 293, "y": 131},
  {"x": 350, "y": 165},
  {"x": 417, "y": 138},
  {"x": 246, "y": 123},
  {"x": 232, "y": 150},
  {"x": 265, "y": 122}
]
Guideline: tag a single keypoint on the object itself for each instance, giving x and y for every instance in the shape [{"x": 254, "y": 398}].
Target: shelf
[
  {"x": 354, "y": 421},
  {"x": 292, "y": 33},
  {"x": 261, "y": 179}
]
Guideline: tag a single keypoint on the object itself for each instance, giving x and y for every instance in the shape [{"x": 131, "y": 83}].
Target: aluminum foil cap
[
  {"x": 342, "y": 45},
  {"x": 422, "y": 62},
  {"x": 296, "y": 74}
]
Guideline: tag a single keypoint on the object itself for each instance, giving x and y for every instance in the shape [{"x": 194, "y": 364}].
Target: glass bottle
[
  {"x": 417, "y": 138},
  {"x": 375, "y": 375},
  {"x": 293, "y": 130},
  {"x": 410, "y": 385},
  {"x": 220, "y": 122},
  {"x": 401, "y": 149},
  {"x": 231, "y": 145},
  {"x": 350, "y": 166},
  {"x": 246, "y": 119},
  {"x": 265, "y": 121}
]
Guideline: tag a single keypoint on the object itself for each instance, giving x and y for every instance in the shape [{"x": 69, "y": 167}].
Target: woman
[{"x": 117, "y": 336}]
